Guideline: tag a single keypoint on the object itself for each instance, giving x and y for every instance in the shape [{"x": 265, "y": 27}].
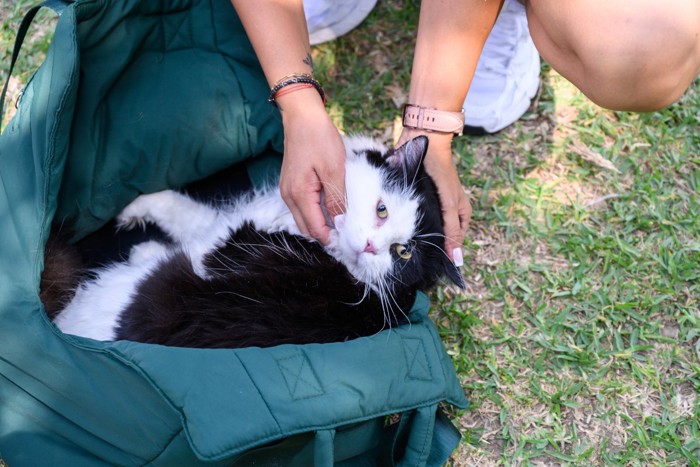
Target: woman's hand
[
  {"x": 313, "y": 169},
  {"x": 456, "y": 209}
]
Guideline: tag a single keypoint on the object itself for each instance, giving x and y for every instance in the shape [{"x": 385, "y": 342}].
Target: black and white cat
[{"x": 243, "y": 275}]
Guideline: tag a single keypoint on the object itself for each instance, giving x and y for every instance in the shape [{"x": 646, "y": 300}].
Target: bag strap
[
  {"x": 324, "y": 448},
  {"x": 57, "y": 6},
  {"x": 424, "y": 436},
  {"x": 446, "y": 438}
]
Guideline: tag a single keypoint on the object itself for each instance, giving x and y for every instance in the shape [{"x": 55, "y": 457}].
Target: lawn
[{"x": 577, "y": 339}]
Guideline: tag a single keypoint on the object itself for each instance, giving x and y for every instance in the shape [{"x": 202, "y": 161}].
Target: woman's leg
[{"x": 637, "y": 55}]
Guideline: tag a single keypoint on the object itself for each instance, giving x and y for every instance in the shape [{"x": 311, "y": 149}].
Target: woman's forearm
[
  {"x": 278, "y": 33},
  {"x": 451, "y": 35},
  {"x": 277, "y": 30}
]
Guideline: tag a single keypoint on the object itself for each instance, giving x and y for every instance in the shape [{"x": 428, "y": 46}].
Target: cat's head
[{"x": 391, "y": 234}]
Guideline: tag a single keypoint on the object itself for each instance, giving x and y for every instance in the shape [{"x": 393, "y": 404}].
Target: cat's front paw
[
  {"x": 140, "y": 211},
  {"x": 134, "y": 215}
]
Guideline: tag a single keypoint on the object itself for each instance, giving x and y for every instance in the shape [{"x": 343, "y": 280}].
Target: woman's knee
[{"x": 636, "y": 55}]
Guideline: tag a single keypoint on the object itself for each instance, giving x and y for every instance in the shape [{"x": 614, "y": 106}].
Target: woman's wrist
[
  {"x": 303, "y": 101},
  {"x": 293, "y": 83}
]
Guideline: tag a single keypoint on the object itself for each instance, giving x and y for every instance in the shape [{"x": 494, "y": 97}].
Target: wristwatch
[{"x": 423, "y": 118}]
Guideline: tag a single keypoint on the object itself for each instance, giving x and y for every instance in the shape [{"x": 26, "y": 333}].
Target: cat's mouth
[
  {"x": 366, "y": 264},
  {"x": 369, "y": 267}
]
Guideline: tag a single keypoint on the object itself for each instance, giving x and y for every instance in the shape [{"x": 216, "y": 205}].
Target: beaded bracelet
[{"x": 303, "y": 78}]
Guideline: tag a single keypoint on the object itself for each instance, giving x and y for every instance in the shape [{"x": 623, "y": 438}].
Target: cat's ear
[
  {"x": 454, "y": 274},
  {"x": 410, "y": 155}
]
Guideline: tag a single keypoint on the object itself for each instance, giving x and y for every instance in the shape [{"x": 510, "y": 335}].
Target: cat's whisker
[
  {"x": 334, "y": 190},
  {"x": 226, "y": 292},
  {"x": 365, "y": 294},
  {"x": 442, "y": 250},
  {"x": 439, "y": 235},
  {"x": 385, "y": 310},
  {"x": 393, "y": 298},
  {"x": 416, "y": 180},
  {"x": 337, "y": 195},
  {"x": 253, "y": 248},
  {"x": 366, "y": 291},
  {"x": 386, "y": 298},
  {"x": 220, "y": 272},
  {"x": 396, "y": 279},
  {"x": 429, "y": 235}
]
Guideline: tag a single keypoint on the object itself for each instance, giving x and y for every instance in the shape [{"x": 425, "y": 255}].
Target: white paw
[
  {"x": 139, "y": 212},
  {"x": 136, "y": 214},
  {"x": 146, "y": 251}
]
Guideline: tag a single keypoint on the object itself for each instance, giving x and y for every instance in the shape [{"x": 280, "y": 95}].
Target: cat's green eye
[
  {"x": 382, "y": 211},
  {"x": 403, "y": 251}
]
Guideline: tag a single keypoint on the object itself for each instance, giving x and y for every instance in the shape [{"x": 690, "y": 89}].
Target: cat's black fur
[
  {"x": 268, "y": 298},
  {"x": 63, "y": 270}
]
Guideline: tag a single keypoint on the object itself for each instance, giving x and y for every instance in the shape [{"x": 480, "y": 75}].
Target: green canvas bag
[{"x": 137, "y": 96}]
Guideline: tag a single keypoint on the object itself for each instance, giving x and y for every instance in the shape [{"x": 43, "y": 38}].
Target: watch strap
[{"x": 423, "y": 118}]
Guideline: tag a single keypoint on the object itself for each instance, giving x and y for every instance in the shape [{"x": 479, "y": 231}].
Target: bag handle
[{"x": 57, "y": 6}]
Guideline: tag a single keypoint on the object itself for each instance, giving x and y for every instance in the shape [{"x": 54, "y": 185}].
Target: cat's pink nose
[{"x": 369, "y": 248}]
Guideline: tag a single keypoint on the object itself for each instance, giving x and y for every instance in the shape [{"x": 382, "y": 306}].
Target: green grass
[
  {"x": 577, "y": 339},
  {"x": 578, "y": 343}
]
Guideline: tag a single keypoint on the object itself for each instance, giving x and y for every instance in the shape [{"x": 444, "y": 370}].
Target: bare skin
[{"x": 635, "y": 55}]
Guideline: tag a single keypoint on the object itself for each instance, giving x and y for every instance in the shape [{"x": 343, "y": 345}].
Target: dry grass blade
[{"x": 591, "y": 156}]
